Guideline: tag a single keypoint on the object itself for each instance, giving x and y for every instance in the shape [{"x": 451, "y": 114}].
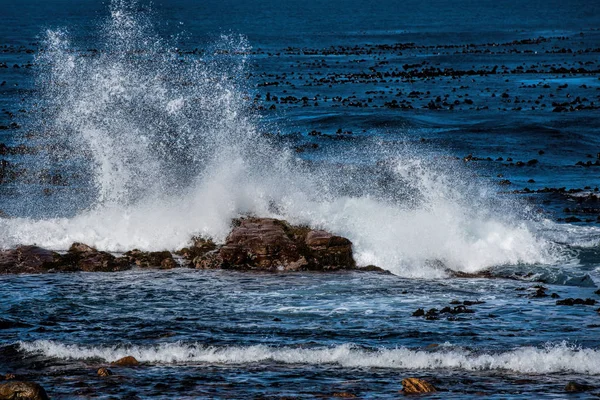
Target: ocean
[{"x": 454, "y": 143}]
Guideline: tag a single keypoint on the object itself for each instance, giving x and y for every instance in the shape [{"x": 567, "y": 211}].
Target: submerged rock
[
  {"x": 577, "y": 387},
  {"x": 573, "y": 302},
  {"x": 270, "y": 245},
  {"x": 416, "y": 385},
  {"x": 22, "y": 390}
]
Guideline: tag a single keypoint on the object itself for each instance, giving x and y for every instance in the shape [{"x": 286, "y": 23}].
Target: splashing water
[
  {"x": 167, "y": 149},
  {"x": 557, "y": 358}
]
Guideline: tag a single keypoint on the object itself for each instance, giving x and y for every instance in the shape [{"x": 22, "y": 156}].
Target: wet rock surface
[
  {"x": 128, "y": 361},
  {"x": 16, "y": 390},
  {"x": 262, "y": 244},
  {"x": 416, "y": 386},
  {"x": 270, "y": 245}
]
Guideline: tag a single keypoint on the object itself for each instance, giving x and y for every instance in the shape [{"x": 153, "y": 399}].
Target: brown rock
[
  {"x": 27, "y": 259},
  {"x": 10, "y": 376},
  {"x": 128, "y": 361},
  {"x": 22, "y": 390},
  {"x": 82, "y": 257},
  {"x": 104, "y": 372},
  {"x": 81, "y": 248},
  {"x": 259, "y": 244},
  {"x": 329, "y": 251},
  {"x": 155, "y": 259},
  {"x": 199, "y": 247},
  {"x": 344, "y": 395},
  {"x": 269, "y": 244},
  {"x": 416, "y": 385}
]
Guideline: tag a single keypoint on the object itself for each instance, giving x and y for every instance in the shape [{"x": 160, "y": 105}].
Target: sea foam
[
  {"x": 532, "y": 360},
  {"x": 167, "y": 148}
]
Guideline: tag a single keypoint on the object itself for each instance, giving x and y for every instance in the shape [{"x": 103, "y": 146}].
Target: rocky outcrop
[
  {"x": 22, "y": 390},
  {"x": 28, "y": 259},
  {"x": 269, "y": 244},
  {"x": 82, "y": 257},
  {"x": 263, "y": 244},
  {"x": 416, "y": 385}
]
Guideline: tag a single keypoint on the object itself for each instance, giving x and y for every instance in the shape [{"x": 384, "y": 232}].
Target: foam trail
[
  {"x": 550, "y": 359},
  {"x": 166, "y": 148}
]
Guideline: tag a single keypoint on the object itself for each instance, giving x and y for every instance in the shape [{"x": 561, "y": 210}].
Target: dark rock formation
[
  {"x": 270, "y": 245},
  {"x": 199, "y": 248},
  {"x": 263, "y": 244},
  {"x": 22, "y": 390},
  {"x": 574, "y": 302},
  {"x": 27, "y": 259},
  {"x": 154, "y": 259},
  {"x": 82, "y": 257}
]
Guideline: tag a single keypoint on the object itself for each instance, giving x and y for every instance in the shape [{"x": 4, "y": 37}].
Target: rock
[
  {"x": 155, "y": 259},
  {"x": 81, "y": 248},
  {"x": 269, "y": 244},
  {"x": 104, "y": 372},
  {"x": 22, "y": 390},
  {"x": 415, "y": 385},
  {"x": 329, "y": 251},
  {"x": 199, "y": 247},
  {"x": 373, "y": 268},
  {"x": 8, "y": 377},
  {"x": 27, "y": 259},
  {"x": 419, "y": 313},
  {"x": 259, "y": 244},
  {"x": 577, "y": 387},
  {"x": 128, "y": 361},
  {"x": 344, "y": 395},
  {"x": 82, "y": 257},
  {"x": 573, "y": 302}
]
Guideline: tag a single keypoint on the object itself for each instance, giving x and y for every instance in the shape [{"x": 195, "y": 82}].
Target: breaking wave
[
  {"x": 531, "y": 360},
  {"x": 166, "y": 148}
]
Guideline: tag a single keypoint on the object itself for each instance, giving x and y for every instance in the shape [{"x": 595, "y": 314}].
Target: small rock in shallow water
[
  {"x": 577, "y": 387},
  {"x": 104, "y": 372},
  {"x": 128, "y": 361},
  {"x": 22, "y": 390},
  {"x": 344, "y": 395},
  {"x": 416, "y": 385},
  {"x": 573, "y": 302}
]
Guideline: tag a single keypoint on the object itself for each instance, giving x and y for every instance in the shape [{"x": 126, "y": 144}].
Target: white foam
[
  {"x": 550, "y": 359},
  {"x": 172, "y": 152}
]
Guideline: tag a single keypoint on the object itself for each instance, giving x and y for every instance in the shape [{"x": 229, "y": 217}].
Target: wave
[
  {"x": 531, "y": 360},
  {"x": 167, "y": 148}
]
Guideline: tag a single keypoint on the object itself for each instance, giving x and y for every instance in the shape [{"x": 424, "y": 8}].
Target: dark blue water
[{"x": 436, "y": 136}]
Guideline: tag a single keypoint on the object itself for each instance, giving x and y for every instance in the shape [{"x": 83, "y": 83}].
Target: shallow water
[
  {"x": 148, "y": 125},
  {"x": 274, "y": 334}
]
